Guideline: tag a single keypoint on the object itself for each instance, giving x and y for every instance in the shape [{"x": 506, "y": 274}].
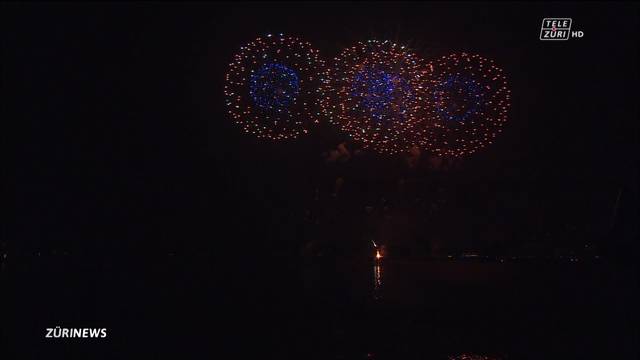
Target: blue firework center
[
  {"x": 383, "y": 94},
  {"x": 458, "y": 98},
  {"x": 274, "y": 86}
]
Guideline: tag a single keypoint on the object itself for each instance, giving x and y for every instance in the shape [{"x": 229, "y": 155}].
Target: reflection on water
[
  {"x": 377, "y": 271},
  {"x": 377, "y": 280}
]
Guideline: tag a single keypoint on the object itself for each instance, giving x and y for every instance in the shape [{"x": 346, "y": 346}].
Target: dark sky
[{"x": 119, "y": 139}]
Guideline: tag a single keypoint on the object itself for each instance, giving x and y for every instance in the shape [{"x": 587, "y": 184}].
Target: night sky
[
  {"x": 138, "y": 205},
  {"x": 119, "y": 139}
]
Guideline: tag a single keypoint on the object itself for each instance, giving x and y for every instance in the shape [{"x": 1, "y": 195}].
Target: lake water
[{"x": 207, "y": 307}]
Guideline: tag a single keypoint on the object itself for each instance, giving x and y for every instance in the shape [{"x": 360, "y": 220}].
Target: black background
[{"x": 120, "y": 148}]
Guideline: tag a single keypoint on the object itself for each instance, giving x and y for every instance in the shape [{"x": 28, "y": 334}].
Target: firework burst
[
  {"x": 375, "y": 92},
  {"x": 468, "y": 104},
  {"x": 271, "y": 87}
]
